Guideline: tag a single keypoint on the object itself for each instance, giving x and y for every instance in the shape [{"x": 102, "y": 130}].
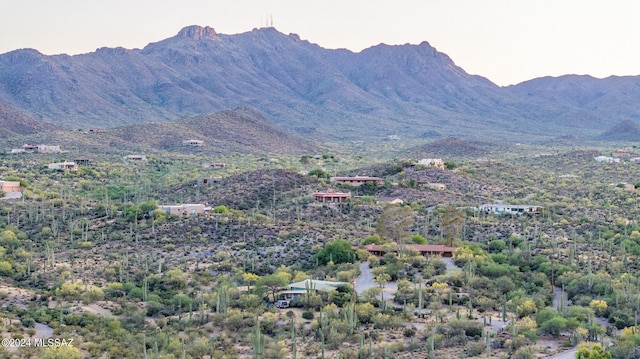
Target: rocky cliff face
[{"x": 197, "y": 32}]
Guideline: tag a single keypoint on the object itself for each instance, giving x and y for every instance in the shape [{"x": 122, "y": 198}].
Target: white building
[
  {"x": 432, "y": 162},
  {"x": 606, "y": 159},
  {"x": 510, "y": 208}
]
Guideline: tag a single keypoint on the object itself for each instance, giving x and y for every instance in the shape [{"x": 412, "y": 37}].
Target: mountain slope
[
  {"x": 623, "y": 131},
  {"x": 15, "y": 123},
  {"x": 301, "y": 87},
  {"x": 241, "y": 130},
  {"x": 225, "y": 132}
]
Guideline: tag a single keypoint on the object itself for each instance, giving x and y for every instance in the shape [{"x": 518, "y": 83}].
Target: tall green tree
[
  {"x": 336, "y": 251},
  {"x": 452, "y": 221},
  {"x": 393, "y": 223},
  {"x": 271, "y": 283}
]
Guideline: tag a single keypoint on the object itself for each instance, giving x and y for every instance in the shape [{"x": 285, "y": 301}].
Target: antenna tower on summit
[{"x": 270, "y": 20}]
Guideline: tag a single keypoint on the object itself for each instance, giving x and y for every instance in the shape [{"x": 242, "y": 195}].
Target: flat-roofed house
[
  {"x": 389, "y": 200},
  {"x": 510, "y": 208},
  {"x": 299, "y": 289},
  {"x": 63, "y": 166},
  {"x": 48, "y": 148},
  {"x": 194, "y": 143},
  {"x": 357, "y": 180},
  {"x": 622, "y": 154},
  {"x": 11, "y": 189},
  {"x": 331, "y": 197},
  {"x": 184, "y": 209},
  {"x": 432, "y": 162},
  {"x": 135, "y": 158},
  {"x": 208, "y": 180},
  {"x": 427, "y": 250}
]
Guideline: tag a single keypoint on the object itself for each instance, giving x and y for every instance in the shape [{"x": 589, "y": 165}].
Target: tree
[
  {"x": 554, "y": 326},
  {"x": 336, "y": 251},
  {"x": 450, "y": 165},
  {"x": 598, "y": 306},
  {"x": 250, "y": 277},
  {"x": 591, "y": 351},
  {"x": 418, "y": 239},
  {"x": 271, "y": 283},
  {"x": 452, "y": 221},
  {"x": 393, "y": 222}
]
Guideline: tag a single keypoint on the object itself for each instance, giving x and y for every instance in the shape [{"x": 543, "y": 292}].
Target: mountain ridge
[{"x": 303, "y": 88}]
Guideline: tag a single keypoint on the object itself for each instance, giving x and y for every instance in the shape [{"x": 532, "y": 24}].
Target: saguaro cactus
[{"x": 257, "y": 341}]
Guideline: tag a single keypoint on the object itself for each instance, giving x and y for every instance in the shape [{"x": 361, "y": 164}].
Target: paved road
[{"x": 569, "y": 354}]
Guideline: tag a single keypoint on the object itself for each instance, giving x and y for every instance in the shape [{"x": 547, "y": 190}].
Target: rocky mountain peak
[{"x": 196, "y": 32}]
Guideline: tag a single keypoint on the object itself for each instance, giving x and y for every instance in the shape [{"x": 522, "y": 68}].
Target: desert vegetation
[{"x": 89, "y": 255}]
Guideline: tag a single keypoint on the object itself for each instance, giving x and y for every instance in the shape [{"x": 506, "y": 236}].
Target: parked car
[{"x": 282, "y": 304}]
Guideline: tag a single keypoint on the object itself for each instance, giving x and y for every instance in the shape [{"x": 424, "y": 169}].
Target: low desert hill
[{"x": 240, "y": 130}]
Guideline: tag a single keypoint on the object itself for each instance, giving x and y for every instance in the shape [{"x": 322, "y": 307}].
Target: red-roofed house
[{"x": 424, "y": 249}]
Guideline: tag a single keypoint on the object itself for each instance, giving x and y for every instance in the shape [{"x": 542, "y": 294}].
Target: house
[
  {"x": 427, "y": 250},
  {"x": 431, "y": 162},
  {"x": 331, "y": 197},
  {"x": 11, "y": 189},
  {"x": 135, "y": 158},
  {"x": 184, "y": 209},
  {"x": 36, "y": 148},
  {"x": 606, "y": 159},
  {"x": 82, "y": 161},
  {"x": 299, "y": 289},
  {"x": 357, "y": 180},
  {"x": 215, "y": 166},
  {"x": 432, "y": 185},
  {"x": 48, "y": 148},
  {"x": 389, "y": 200},
  {"x": 510, "y": 209},
  {"x": 194, "y": 143},
  {"x": 208, "y": 180},
  {"x": 622, "y": 154},
  {"x": 63, "y": 166}
]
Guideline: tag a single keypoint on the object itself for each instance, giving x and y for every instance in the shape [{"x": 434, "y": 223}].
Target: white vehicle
[{"x": 282, "y": 304}]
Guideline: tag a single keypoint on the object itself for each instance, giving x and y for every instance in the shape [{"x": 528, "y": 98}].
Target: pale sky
[{"x": 507, "y": 41}]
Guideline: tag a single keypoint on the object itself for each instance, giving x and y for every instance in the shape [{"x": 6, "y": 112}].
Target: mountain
[
  {"x": 15, "y": 123},
  {"x": 587, "y": 101},
  {"x": 407, "y": 90},
  {"x": 623, "y": 131}
]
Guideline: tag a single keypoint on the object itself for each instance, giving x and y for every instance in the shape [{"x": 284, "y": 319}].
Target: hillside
[
  {"x": 451, "y": 147},
  {"x": 241, "y": 131},
  {"x": 624, "y": 131},
  {"x": 407, "y": 90},
  {"x": 15, "y": 123}
]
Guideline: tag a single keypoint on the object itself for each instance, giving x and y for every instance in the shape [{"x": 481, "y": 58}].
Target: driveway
[
  {"x": 569, "y": 354},
  {"x": 365, "y": 280}
]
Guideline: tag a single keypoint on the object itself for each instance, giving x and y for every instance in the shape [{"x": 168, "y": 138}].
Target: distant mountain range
[{"x": 408, "y": 90}]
